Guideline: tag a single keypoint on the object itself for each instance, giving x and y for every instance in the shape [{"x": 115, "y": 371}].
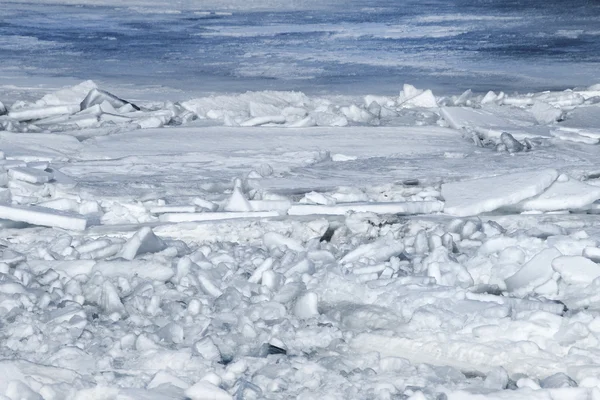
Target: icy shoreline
[{"x": 276, "y": 245}]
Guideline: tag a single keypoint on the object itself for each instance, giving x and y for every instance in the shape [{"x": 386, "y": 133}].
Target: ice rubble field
[{"x": 273, "y": 245}]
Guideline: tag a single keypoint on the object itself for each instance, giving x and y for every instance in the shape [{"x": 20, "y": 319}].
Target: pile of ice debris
[
  {"x": 84, "y": 106},
  {"x": 345, "y": 293},
  {"x": 37, "y": 193},
  {"x": 368, "y": 306},
  {"x": 489, "y": 116}
]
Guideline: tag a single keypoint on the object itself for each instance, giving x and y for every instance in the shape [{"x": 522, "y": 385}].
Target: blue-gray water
[{"x": 447, "y": 45}]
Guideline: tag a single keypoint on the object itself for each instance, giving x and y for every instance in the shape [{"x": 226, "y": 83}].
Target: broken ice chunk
[
  {"x": 143, "y": 241},
  {"x": 206, "y": 204},
  {"x": 564, "y": 194},
  {"x": 172, "y": 209},
  {"x": 576, "y": 269},
  {"x": 545, "y": 114},
  {"x": 535, "y": 272},
  {"x": 204, "y": 390},
  {"x": 164, "y": 378},
  {"x": 593, "y": 253},
  {"x": 215, "y": 216},
  {"x": 318, "y": 198},
  {"x": 206, "y": 348},
  {"x": 275, "y": 240},
  {"x": 238, "y": 202},
  {"x": 476, "y": 196},
  {"x": 306, "y": 306},
  {"x": 128, "y": 269},
  {"x": 97, "y": 96},
  {"x": 5, "y": 195},
  {"x": 257, "y": 121},
  {"x": 380, "y": 250},
  {"x": 512, "y": 144},
  {"x": 31, "y": 175},
  {"x": 43, "y": 216},
  {"x": 28, "y": 114},
  {"x": 405, "y": 207}
]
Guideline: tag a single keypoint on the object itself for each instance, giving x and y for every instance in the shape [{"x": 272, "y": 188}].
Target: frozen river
[{"x": 448, "y": 46}]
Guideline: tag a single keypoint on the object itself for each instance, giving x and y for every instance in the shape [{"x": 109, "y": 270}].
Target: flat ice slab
[
  {"x": 488, "y": 194},
  {"x": 535, "y": 272},
  {"x": 31, "y": 175},
  {"x": 562, "y": 195},
  {"x": 576, "y": 269},
  {"x": 43, "y": 216},
  {"x": 214, "y": 216},
  {"x": 407, "y": 207}
]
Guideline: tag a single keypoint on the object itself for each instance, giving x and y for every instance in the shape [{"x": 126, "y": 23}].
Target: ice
[
  {"x": 173, "y": 209},
  {"x": 143, "y": 241},
  {"x": 43, "y": 216},
  {"x": 462, "y": 117},
  {"x": 380, "y": 250},
  {"x": 535, "y": 272},
  {"x": 328, "y": 268},
  {"x": 512, "y": 145},
  {"x": 564, "y": 194},
  {"x": 5, "y": 195},
  {"x": 281, "y": 206},
  {"x": 574, "y": 136},
  {"x": 318, "y": 198},
  {"x": 29, "y": 114},
  {"x": 207, "y": 349},
  {"x": 97, "y": 97},
  {"x": 237, "y": 202},
  {"x": 30, "y": 175},
  {"x": 147, "y": 269},
  {"x": 413, "y": 97},
  {"x": 593, "y": 253},
  {"x": 204, "y": 390},
  {"x": 544, "y": 113},
  {"x": 215, "y": 216},
  {"x": 576, "y": 270},
  {"x": 417, "y": 207},
  {"x": 163, "y": 377},
  {"x": 477, "y": 196},
  {"x": 70, "y": 95},
  {"x": 275, "y": 240},
  {"x": 206, "y": 204},
  {"x": 257, "y": 121}
]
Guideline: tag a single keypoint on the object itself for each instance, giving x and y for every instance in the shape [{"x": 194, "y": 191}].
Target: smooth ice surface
[
  {"x": 488, "y": 194},
  {"x": 562, "y": 195},
  {"x": 419, "y": 207},
  {"x": 576, "y": 269},
  {"x": 535, "y": 272}
]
